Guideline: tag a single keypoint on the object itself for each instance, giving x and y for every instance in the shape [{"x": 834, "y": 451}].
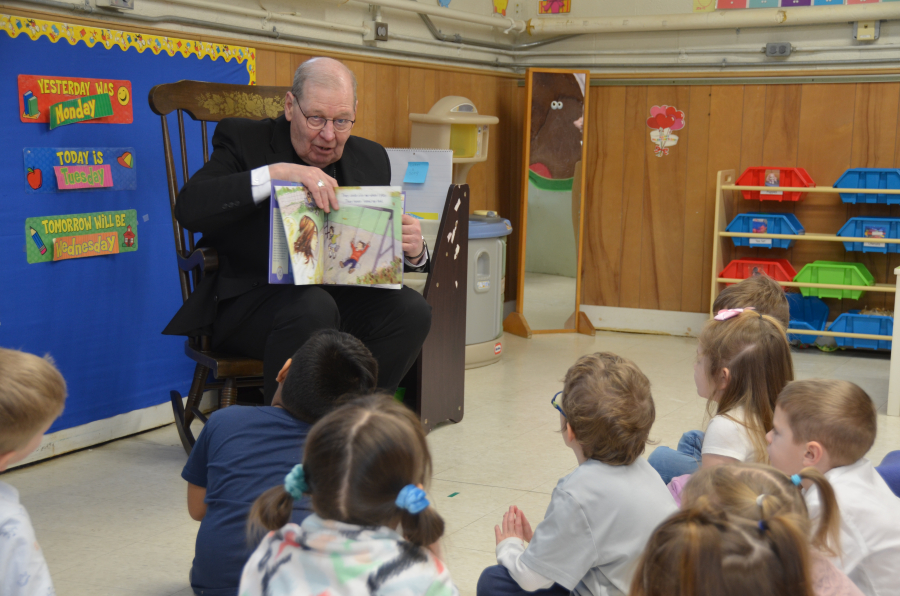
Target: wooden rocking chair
[{"x": 434, "y": 385}]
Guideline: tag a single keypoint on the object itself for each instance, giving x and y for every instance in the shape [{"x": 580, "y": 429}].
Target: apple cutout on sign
[{"x": 35, "y": 178}]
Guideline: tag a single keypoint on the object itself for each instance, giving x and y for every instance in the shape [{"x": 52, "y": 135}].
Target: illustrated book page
[{"x": 358, "y": 244}]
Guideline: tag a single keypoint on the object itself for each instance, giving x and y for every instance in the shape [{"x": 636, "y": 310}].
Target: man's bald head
[{"x": 327, "y": 73}]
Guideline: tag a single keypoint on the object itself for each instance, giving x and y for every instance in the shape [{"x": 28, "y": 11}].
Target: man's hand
[
  {"x": 309, "y": 177},
  {"x": 514, "y": 525},
  {"x": 412, "y": 239}
]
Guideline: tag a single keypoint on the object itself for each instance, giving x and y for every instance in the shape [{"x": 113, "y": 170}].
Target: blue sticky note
[{"x": 416, "y": 172}]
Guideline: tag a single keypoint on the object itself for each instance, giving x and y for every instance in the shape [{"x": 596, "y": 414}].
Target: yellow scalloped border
[{"x": 91, "y": 36}]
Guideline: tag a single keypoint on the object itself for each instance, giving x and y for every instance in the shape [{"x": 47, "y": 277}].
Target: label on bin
[
  {"x": 498, "y": 348},
  {"x": 760, "y": 226},
  {"x": 874, "y": 232}
]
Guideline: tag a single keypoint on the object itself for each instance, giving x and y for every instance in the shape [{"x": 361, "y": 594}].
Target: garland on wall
[{"x": 56, "y": 31}]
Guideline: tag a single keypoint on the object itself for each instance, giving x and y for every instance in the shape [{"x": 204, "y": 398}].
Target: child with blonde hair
[
  {"x": 600, "y": 515},
  {"x": 743, "y": 362},
  {"x": 758, "y": 493},
  {"x": 364, "y": 468},
  {"x": 32, "y": 396},
  {"x": 760, "y": 292},
  {"x": 701, "y": 552},
  {"x": 830, "y": 425}
]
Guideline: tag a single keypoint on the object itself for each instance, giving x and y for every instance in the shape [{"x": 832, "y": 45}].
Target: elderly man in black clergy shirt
[{"x": 227, "y": 201}]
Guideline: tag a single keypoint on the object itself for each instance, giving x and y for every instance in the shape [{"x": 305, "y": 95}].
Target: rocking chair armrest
[{"x": 206, "y": 258}]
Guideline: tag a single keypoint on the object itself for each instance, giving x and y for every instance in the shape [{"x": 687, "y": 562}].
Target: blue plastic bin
[
  {"x": 770, "y": 223},
  {"x": 872, "y": 227},
  {"x": 853, "y": 322},
  {"x": 870, "y": 178},
  {"x": 806, "y": 313}
]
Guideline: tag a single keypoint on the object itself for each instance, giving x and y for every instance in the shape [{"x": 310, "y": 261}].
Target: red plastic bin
[
  {"x": 756, "y": 176},
  {"x": 777, "y": 269}
]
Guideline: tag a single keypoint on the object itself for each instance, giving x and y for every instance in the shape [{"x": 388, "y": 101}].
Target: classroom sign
[
  {"x": 61, "y": 169},
  {"x": 65, "y": 100},
  {"x": 63, "y": 237}
]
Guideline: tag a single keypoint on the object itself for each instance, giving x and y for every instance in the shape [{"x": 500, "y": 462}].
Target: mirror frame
[{"x": 516, "y": 323}]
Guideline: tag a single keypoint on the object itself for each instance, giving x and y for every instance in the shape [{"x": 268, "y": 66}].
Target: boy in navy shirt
[{"x": 243, "y": 450}]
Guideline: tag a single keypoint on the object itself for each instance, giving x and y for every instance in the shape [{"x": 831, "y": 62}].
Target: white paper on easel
[{"x": 424, "y": 200}]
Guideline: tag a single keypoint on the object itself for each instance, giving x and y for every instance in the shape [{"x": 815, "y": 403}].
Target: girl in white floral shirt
[{"x": 364, "y": 466}]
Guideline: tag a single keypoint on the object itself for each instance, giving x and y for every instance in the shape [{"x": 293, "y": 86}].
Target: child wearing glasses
[{"x": 601, "y": 515}]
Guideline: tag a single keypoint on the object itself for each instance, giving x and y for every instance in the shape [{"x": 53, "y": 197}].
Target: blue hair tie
[
  {"x": 413, "y": 499},
  {"x": 295, "y": 482},
  {"x": 796, "y": 479},
  {"x": 762, "y": 525}
]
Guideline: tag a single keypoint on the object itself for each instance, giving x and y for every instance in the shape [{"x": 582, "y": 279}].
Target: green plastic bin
[{"x": 833, "y": 272}]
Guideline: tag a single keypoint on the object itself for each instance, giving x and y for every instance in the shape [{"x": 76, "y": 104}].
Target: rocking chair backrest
[{"x": 206, "y": 102}]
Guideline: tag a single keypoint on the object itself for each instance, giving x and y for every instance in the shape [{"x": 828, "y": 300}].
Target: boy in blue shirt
[{"x": 243, "y": 450}]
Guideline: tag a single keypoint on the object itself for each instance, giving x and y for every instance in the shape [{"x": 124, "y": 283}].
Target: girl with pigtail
[
  {"x": 702, "y": 552},
  {"x": 760, "y": 494},
  {"x": 373, "y": 530}
]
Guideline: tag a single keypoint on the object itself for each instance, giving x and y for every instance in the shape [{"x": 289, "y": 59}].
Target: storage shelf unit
[{"x": 725, "y": 187}]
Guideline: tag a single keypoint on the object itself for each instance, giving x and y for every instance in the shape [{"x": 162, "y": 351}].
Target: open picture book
[{"x": 358, "y": 244}]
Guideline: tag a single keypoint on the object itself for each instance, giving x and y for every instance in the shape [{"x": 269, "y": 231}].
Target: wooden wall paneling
[
  {"x": 603, "y": 201},
  {"x": 695, "y": 215},
  {"x": 782, "y": 125},
  {"x": 663, "y": 237},
  {"x": 752, "y": 131},
  {"x": 636, "y": 137},
  {"x": 392, "y": 105},
  {"x": 284, "y": 74},
  {"x": 265, "y": 68},
  {"x": 725, "y": 139},
  {"x": 781, "y": 135},
  {"x": 826, "y": 139},
  {"x": 874, "y": 143}
]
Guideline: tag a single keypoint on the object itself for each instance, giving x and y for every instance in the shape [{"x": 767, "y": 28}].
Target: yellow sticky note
[{"x": 704, "y": 5}]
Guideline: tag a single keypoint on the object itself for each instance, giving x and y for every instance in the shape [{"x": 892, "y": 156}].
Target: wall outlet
[
  {"x": 378, "y": 31},
  {"x": 781, "y": 49},
  {"x": 866, "y": 30},
  {"x": 120, "y": 4}
]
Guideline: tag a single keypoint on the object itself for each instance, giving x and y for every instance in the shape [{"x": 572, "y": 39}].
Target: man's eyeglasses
[
  {"x": 554, "y": 401},
  {"x": 318, "y": 122}
]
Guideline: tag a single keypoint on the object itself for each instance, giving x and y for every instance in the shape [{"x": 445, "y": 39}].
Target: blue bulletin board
[{"x": 100, "y": 318}]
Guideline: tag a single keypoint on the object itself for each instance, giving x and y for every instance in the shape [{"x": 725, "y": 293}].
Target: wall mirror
[{"x": 551, "y": 204}]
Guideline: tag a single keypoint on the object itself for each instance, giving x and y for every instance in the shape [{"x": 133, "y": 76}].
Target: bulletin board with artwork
[{"x": 86, "y": 250}]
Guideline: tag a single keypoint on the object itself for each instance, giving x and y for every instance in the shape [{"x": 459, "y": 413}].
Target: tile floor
[{"x": 113, "y": 520}]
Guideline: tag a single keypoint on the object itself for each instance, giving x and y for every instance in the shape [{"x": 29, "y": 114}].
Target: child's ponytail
[
  {"x": 424, "y": 528},
  {"x": 421, "y": 523},
  {"x": 273, "y": 508},
  {"x": 790, "y": 545},
  {"x": 827, "y": 537}
]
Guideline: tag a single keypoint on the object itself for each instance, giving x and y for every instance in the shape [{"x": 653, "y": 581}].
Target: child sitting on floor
[
  {"x": 32, "y": 396},
  {"x": 759, "y": 291},
  {"x": 758, "y": 493},
  {"x": 700, "y": 552},
  {"x": 600, "y": 515},
  {"x": 743, "y": 362},
  {"x": 364, "y": 467},
  {"x": 242, "y": 450},
  {"x": 830, "y": 425}
]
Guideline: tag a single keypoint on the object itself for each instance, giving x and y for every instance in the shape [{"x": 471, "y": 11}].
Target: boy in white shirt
[
  {"x": 601, "y": 515},
  {"x": 32, "y": 395},
  {"x": 830, "y": 425}
]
